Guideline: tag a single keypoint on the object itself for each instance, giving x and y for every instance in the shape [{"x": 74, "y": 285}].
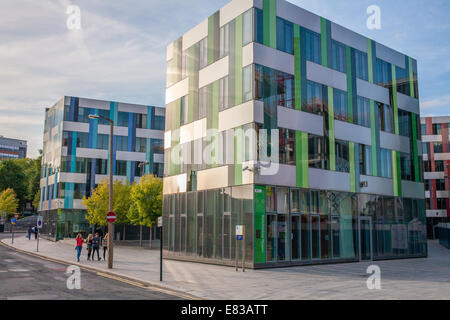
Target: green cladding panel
[
  {"x": 270, "y": 23},
  {"x": 260, "y": 225},
  {"x": 213, "y": 37},
  {"x": 414, "y": 147},
  {"x": 238, "y": 61},
  {"x": 351, "y": 82},
  {"x": 331, "y": 138},
  {"x": 298, "y": 69},
  {"x": 394, "y": 100},
  {"x": 301, "y": 158}
]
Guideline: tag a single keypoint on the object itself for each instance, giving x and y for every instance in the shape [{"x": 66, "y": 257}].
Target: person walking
[
  {"x": 36, "y": 230},
  {"x": 79, "y": 247},
  {"x": 29, "y": 232},
  {"x": 96, "y": 246},
  {"x": 105, "y": 245},
  {"x": 89, "y": 246}
]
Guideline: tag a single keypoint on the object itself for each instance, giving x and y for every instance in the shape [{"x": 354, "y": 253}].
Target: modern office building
[
  {"x": 76, "y": 152},
  {"x": 338, "y": 177},
  {"x": 436, "y": 157},
  {"x": 12, "y": 148}
]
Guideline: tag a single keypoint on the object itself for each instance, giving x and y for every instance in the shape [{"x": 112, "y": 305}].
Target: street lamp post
[{"x": 111, "y": 184}]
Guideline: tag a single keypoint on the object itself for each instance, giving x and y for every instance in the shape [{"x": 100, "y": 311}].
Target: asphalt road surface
[{"x": 24, "y": 277}]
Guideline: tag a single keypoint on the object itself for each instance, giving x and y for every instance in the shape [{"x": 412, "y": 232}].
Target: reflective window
[
  {"x": 287, "y": 146},
  {"x": 365, "y": 160},
  {"x": 318, "y": 152},
  {"x": 313, "y": 51},
  {"x": 384, "y": 73},
  {"x": 223, "y": 93},
  {"x": 258, "y": 30},
  {"x": 122, "y": 119},
  {"x": 340, "y": 105},
  {"x": 362, "y": 112},
  {"x": 224, "y": 41},
  {"x": 273, "y": 83},
  {"x": 285, "y": 36},
  {"x": 338, "y": 57},
  {"x": 247, "y": 27},
  {"x": 404, "y": 123},
  {"x": 202, "y": 102},
  {"x": 247, "y": 81},
  {"x": 386, "y": 117},
  {"x": 342, "y": 156},
  {"x": 403, "y": 85},
  {"x": 361, "y": 66},
  {"x": 386, "y": 163},
  {"x": 204, "y": 53},
  {"x": 122, "y": 143},
  {"x": 270, "y": 199},
  {"x": 282, "y": 200},
  {"x": 406, "y": 166},
  {"x": 121, "y": 168},
  {"x": 314, "y": 95}
]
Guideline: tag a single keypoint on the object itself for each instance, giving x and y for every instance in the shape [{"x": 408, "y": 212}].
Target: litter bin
[{"x": 2, "y": 228}]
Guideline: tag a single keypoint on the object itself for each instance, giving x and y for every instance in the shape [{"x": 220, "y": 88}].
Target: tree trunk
[
  {"x": 140, "y": 235},
  {"x": 151, "y": 238},
  {"x": 124, "y": 232}
]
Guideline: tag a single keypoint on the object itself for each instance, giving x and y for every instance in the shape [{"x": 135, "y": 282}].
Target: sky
[{"x": 119, "y": 52}]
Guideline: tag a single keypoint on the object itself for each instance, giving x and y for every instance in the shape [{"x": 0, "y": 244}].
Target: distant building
[
  {"x": 436, "y": 157},
  {"x": 12, "y": 148},
  {"x": 76, "y": 151}
]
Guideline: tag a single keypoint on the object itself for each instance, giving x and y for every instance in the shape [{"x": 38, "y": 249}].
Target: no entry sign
[{"x": 111, "y": 217}]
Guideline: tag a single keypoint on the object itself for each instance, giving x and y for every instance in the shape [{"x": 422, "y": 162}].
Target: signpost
[
  {"x": 39, "y": 227},
  {"x": 240, "y": 237},
  {"x": 160, "y": 225},
  {"x": 13, "y": 222},
  {"x": 111, "y": 219}
]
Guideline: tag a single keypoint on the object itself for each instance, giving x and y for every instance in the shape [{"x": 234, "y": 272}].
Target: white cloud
[{"x": 440, "y": 102}]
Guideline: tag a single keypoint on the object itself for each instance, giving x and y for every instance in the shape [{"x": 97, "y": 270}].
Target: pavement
[
  {"x": 412, "y": 279},
  {"x": 25, "y": 277}
]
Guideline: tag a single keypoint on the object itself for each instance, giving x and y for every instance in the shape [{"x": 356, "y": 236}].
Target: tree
[
  {"x": 97, "y": 205},
  {"x": 8, "y": 202},
  {"x": 12, "y": 176},
  {"x": 37, "y": 199},
  {"x": 146, "y": 199}
]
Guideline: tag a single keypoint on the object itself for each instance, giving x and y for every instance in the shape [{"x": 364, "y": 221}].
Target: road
[{"x": 25, "y": 277}]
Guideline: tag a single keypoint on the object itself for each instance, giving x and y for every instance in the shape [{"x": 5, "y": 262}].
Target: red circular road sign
[{"x": 111, "y": 217}]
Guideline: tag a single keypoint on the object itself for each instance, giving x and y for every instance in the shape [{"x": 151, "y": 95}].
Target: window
[
  {"x": 184, "y": 110},
  {"x": 141, "y": 145},
  {"x": 270, "y": 199},
  {"x": 402, "y": 80},
  {"x": 313, "y": 52},
  {"x": 342, "y": 156},
  {"x": 202, "y": 101},
  {"x": 441, "y": 204},
  {"x": 82, "y": 140},
  {"x": 314, "y": 101},
  {"x": 386, "y": 117},
  {"x": 404, "y": 123},
  {"x": 386, "y": 163},
  {"x": 224, "y": 41},
  {"x": 287, "y": 146},
  {"x": 318, "y": 152},
  {"x": 440, "y": 184},
  {"x": 258, "y": 29},
  {"x": 247, "y": 91},
  {"x": 282, "y": 200},
  {"x": 362, "y": 112},
  {"x": 106, "y": 114},
  {"x": 223, "y": 93},
  {"x": 122, "y": 119},
  {"x": 361, "y": 66},
  {"x": 122, "y": 143},
  {"x": 83, "y": 114},
  {"x": 437, "y": 129},
  {"x": 340, "y": 105},
  {"x": 141, "y": 121},
  {"x": 285, "y": 36},
  {"x": 437, "y": 147},
  {"x": 103, "y": 141},
  {"x": 439, "y": 166},
  {"x": 204, "y": 53},
  {"x": 427, "y": 185},
  {"x": 406, "y": 167},
  {"x": 270, "y": 82},
  {"x": 424, "y": 147},
  {"x": 384, "y": 73},
  {"x": 295, "y": 201},
  {"x": 423, "y": 129},
  {"x": 338, "y": 58},
  {"x": 247, "y": 27},
  {"x": 159, "y": 123},
  {"x": 185, "y": 64},
  {"x": 101, "y": 166},
  {"x": 121, "y": 168},
  {"x": 365, "y": 160}
]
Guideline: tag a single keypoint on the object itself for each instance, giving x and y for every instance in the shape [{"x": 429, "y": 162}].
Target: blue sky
[{"x": 119, "y": 53}]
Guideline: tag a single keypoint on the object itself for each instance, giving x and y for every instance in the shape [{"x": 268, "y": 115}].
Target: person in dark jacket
[
  {"x": 36, "y": 230},
  {"x": 96, "y": 246},
  {"x": 30, "y": 230}
]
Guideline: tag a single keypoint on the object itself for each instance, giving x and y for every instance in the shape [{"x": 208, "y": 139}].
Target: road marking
[
  {"x": 9, "y": 260},
  {"x": 18, "y": 270}
]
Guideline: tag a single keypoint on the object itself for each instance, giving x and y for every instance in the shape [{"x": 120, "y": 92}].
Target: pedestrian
[
  {"x": 79, "y": 247},
  {"x": 36, "y": 230},
  {"x": 105, "y": 245},
  {"x": 96, "y": 246},
  {"x": 89, "y": 245},
  {"x": 30, "y": 230}
]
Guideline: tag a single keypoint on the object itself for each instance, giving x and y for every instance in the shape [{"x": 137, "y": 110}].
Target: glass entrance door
[
  {"x": 295, "y": 237},
  {"x": 365, "y": 238},
  {"x": 315, "y": 237}
]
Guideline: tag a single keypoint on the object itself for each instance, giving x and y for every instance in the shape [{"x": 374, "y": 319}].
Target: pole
[
  {"x": 37, "y": 242},
  {"x": 12, "y": 232},
  {"x": 161, "y": 255},
  {"x": 243, "y": 252},
  {"x": 110, "y": 225},
  {"x": 237, "y": 253}
]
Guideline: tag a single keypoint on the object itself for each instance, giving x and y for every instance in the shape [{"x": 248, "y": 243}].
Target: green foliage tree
[
  {"x": 146, "y": 199},
  {"x": 8, "y": 202},
  {"x": 12, "y": 176},
  {"x": 97, "y": 205}
]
